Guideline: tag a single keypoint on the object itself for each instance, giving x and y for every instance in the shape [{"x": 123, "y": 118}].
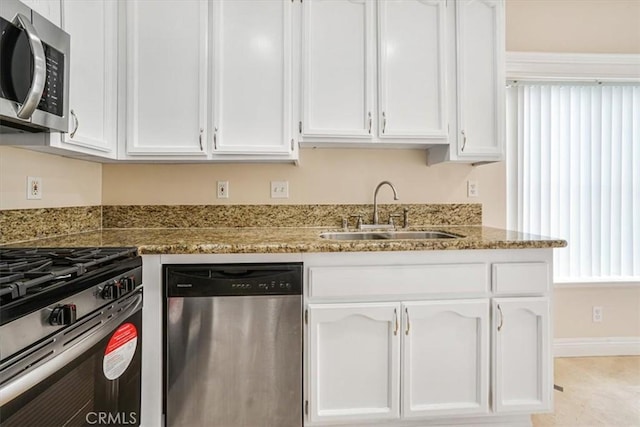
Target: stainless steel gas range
[{"x": 70, "y": 336}]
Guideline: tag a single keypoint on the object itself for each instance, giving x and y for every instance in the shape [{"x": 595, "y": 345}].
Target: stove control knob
[
  {"x": 111, "y": 290},
  {"x": 128, "y": 283},
  {"x": 63, "y": 315}
]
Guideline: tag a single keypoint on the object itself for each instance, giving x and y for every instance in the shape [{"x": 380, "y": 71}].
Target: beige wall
[
  {"x": 65, "y": 182},
  {"x": 620, "y": 312},
  {"x": 580, "y": 26},
  {"x": 324, "y": 176}
]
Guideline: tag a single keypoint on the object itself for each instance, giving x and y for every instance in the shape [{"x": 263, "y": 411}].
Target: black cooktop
[{"x": 29, "y": 271}]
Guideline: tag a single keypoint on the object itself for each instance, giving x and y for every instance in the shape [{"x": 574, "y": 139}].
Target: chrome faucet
[{"x": 375, "y": 199}]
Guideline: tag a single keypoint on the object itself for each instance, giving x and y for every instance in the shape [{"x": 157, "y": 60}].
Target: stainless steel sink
[{"x": 388, "y": 235}]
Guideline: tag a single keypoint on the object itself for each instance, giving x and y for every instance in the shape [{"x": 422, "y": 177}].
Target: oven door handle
[
  {"x": 57, "y": 361},
  {"x": 39, "y": 68}
]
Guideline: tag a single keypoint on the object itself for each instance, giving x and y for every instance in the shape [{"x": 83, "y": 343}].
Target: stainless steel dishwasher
[{"x": 233, "y": 345}]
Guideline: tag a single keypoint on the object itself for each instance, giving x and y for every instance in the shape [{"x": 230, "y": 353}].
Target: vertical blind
[{"x": 575, "y": 160}]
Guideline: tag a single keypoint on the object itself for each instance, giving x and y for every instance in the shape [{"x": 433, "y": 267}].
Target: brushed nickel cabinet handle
[
  {"x": 215, "y": 138},
  {"x": 200, "y": 138},
  {"x": 395, "y": 319},
  {"x": 501, "y": 318},
  {"x": 406, "y": 310},
  {"x": 76, "y": 122},
  {"x": 464, "y": 140},
  {"x": 370, "y": 122},
  {"x": 384, "y": 122}
]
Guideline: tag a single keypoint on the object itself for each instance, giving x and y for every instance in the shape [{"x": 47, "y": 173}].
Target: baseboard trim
[{"x": 604, "y": 346}]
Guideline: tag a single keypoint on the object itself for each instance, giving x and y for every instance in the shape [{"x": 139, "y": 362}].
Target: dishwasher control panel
[{"x": 189, "y": 280}]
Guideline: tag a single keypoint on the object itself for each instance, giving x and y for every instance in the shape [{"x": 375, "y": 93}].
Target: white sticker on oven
[{"x": 120, "y": 351}]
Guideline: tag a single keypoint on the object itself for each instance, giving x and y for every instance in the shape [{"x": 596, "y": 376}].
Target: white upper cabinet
[
  {"x": 445, "y": 358},
  {"x": 354, "y": 352},
  {"x": 480, "y": 78},
  {"x": 522, "y": 362},
  {"x": 412, "y": 73},
  {"x": 49, "y": 9},
  {"x": 337, "y": 68},
  {"x": 252, "y": 75},
  {"x": 166, "y": 77},
  {"x": 374, "y": 71},
  {"x": 93, "y": 89},
  {"x": 480, "y": 85}
]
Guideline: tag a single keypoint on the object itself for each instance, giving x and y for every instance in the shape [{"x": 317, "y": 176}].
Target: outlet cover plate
[
  {"x": 472, "y": 189},
  {"x": 34, "y": 188},
  {"x": 223, "y": 190}
]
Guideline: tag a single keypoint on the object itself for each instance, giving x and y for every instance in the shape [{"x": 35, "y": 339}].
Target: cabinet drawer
[
  {"x": 419, "y": 280},
  {"x": 525, "y": 277}
]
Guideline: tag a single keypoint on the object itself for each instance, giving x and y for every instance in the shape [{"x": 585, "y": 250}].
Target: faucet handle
[
  {"x": 359, "y": 221},
  {"x": 391, "y": 217}
]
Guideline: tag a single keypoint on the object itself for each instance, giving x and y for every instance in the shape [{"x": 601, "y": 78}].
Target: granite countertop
[{"x": 288, "y": 240}]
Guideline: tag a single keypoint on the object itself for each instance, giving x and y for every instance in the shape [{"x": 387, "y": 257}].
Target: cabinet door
[
  {"x": 522, "y": 361},
  {"x": 50, "y": 9},
  {"x": 252, "y": 76},
  {"x": 445, "y": 369},
  {"x": 480, "y": 61},
  {"x": 93, "y": 89},
  {"x": 412, "y": 84},
  {"x": 166, "y": 77},
  {"x": 353, "y": 364},
  {"x": 337, "y": 70}
]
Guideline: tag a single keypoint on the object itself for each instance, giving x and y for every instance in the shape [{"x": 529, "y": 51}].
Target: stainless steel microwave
[{"x": 34, "y": 72}]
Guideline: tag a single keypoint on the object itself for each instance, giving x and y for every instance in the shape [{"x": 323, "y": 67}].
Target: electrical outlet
[
  {"x": 279, "y": 189},
  {"x": 472, "y": 189},
  {"x": 34, "y": 188},
  {"x": 597, "y": 314},
  {"x": 223, "y": 189}
]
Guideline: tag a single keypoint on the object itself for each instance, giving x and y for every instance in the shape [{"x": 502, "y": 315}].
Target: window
[{"x": 574, "y": 172}]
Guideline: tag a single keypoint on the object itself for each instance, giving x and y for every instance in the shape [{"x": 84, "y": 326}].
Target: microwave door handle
[{"x": 39, "y": 68}]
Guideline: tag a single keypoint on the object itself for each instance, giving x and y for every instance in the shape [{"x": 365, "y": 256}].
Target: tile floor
[{"x": 598, "y": 391}]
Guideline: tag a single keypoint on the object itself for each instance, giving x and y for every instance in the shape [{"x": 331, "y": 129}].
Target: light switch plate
[{"x": 279, "y": 189}]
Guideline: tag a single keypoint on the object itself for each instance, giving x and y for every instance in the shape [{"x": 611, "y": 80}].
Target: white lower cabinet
[
  {"x": 354, "y": 361},
  {"x": 523, "y": 374},
  {"x": 445, "y": 358},
  {"x": 356, "y": 370},
  {"x": 394, "y": 339}
]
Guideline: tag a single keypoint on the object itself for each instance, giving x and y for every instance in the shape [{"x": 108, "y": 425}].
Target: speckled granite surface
[
  {"x": 202, "y": 216},
  {"x": 28, "y": 224},
  {"x": 250, "y": 228},
  {"x": 289, "y": 240}
]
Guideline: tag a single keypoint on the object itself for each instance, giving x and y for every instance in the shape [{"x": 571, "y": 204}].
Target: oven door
[
  {"x": 87, "y": 374},
  {"x": 33, "y": 71}
]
